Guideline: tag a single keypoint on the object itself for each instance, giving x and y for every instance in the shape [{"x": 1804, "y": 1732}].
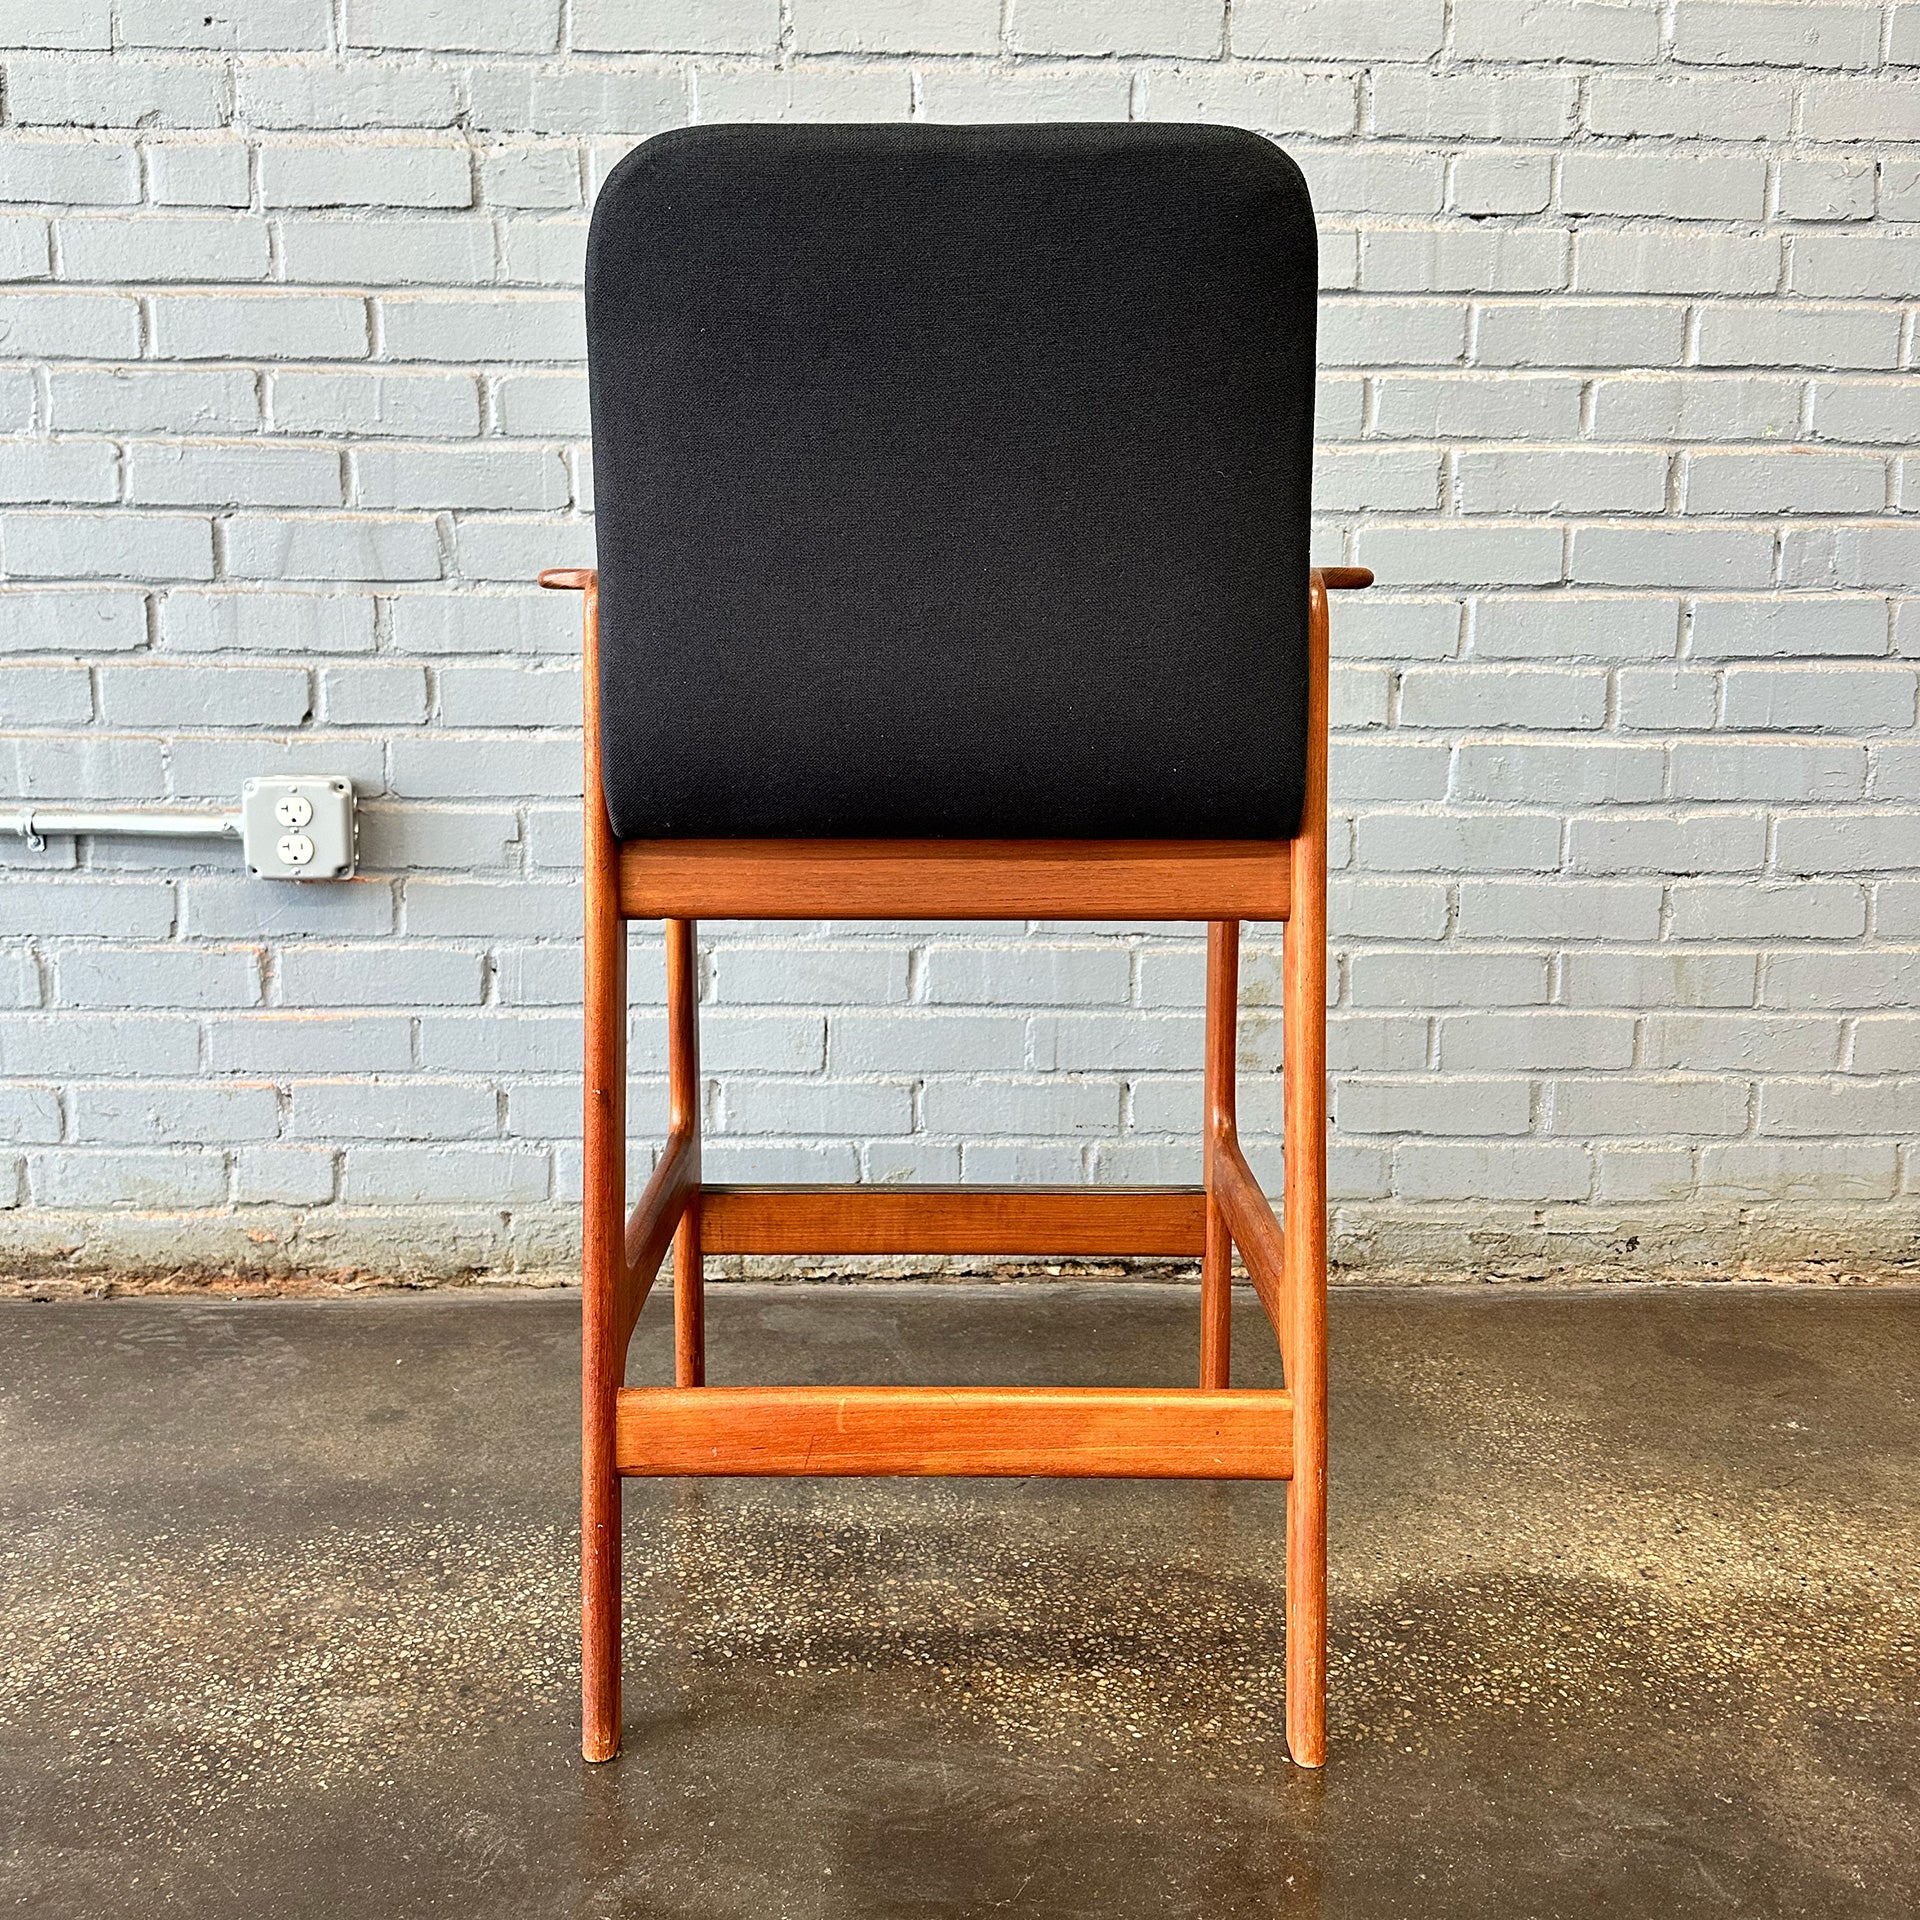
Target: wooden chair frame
[{"x": 1212, "y": 1431}]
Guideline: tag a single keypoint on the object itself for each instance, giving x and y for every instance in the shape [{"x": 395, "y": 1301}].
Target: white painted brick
[
  {"x": 826, "y": 92},
  {"x": 761, "y": 976},
  {"x": 1882, "y": 1043},
  {"x": 1351, "y": 30},
  {"x": 347, "y": 94},
  {"x": 1558, "y": 910},
  {"x": 69, "y": 24},
  {"x": 1778, "y": 1170},
  {"x": 1376, "y": 479},
  {"x": 1828, "y": 699},
  {"x": 391, "y": 976},
  {"x": 366, "y": 173},
  {"x": 1741, "y": 1042},
  {"x": 1453, "y": 1105},
  {"x": 1535, "y": 1041},
  {"x": 1523, "y": 697},
  {"x": 1825, "y": 189},
  {"x": 1056, "y": 1107},
  {"x": 186, "y": 474},
  {"x": 1752, "y": 769},
  {"x": 1869, "y": 554},
  {"x": 395, "y": 838},
  {"x": 58, "y": 171},
  {"x": 1383, "y": 628},
  {"x": 1666, "y": 699},
  {"x": 475, "y": 476},
  {"x": 1664, "y": 554},
  {"x": 52, "y": 909},
  {"x": 1383, "y": 978},
  {"x": 135, "y": 400},
  {"x": 1870, "y": 842},
  {"x": 466, "y": 623},
  {"x": 1779, "y": 33},
  {"x": 523, "y": 99},
  {"x": 240, "y": 909},
  {"x": 243, "y": 26},
  {"x": 169, "y": 976},
  {"x": 676, "y": 26},
  {"x": 1683, "y": 843},
  {"x": 1473, "y": 406},
  {"x": 1494, "y": 181},
  {"x": 1627, "y": 1173},
  {"x": 1524, "y": 1171},
  {"x": 1839, "y": 1105},
  {"x": 203, "y": 174},
  {"x": 1376, "y": 1043},
  {"x": 212, "y": 766},
  {"x": 45, "y": 696},
  {"x": 1430, "y": 842},
  {"x": 447, "y": 405},
  {"x": 1372, "y": 332},
  {"x": 1766, "y": 333},
  {"x": 1690, "y": 106},
  {"x": 1597, "y": 772},
  {"x": 119, "y": 1179},
  {"x": 1722, "y": 910},
  {"x": 25, "y": 249},
  {"x": 1729, "y": 186},
  {"x": 1672, "y": 260},
  {"x": 306, "y": 1042},
  {"x": 263, "y": 326},
  {"x": 1636, "y": 1105},
  {"x": 1074, "y": 90},
  {"x": 58, "y": 470},
  {"x": 219, "y": 621},
  {"x": 528, "y": 176},
  {"x": 435, "y": 1176},
  {"x": 361, "y": 546},
  {"x": 1469, "y": 260},
  {"x": 389, "y": 695},
  {"x": 1561, "y": 480},
  {"x": 892, "y": 26},
  {"x": 1462, "y": 552},
  {"x": 162, "y": 246},
  {"x": 478, "y": 26},
  {"x": 167, "y": 697},
  {"x": 509, "y": 326},
  {"x": 83, "y": 767},
  {"x": 1856, "y": 109},
  {"x": 370, "y": 251},
  {"x": 68, "y": 325},
  {"x": 83, "y": 546},
  {"x": 1374, "y": 180},
  {"x": 1695, "y": 406},
  {"x": 1585, "y": 333},
  {"x": 1115, "y": 26},
  {"x": 1855, "y": 265},
  {"x": 391, "y": 1109},
  {"x": 1269, "y": 101},
  {"x": 1809, "y": 977},
  {"x": 1626, "y": 31},
  {"x": 118, "y": 91},
  {"x": 1867, "y": 410},
  {"x": 60, "y": 620},
  {"x": 283, "y": 1176},
  {"x": 489, "y": 696},
  {"x": 1785, "y": 627},
  {"x": 1413, "y": 103},
  {"x": 57, "y": 1044},
  {"x": 480, "y": 909}
]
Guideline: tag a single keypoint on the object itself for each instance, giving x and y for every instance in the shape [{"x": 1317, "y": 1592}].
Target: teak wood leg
[
  {"x": 1216, "y": 1268},
  {"x": 683, "y": 1093},
  {"x": 1304, "y": 1043},
  {"x": 603, "y": 1266},
  {"x": 1208, "y": 1432}
]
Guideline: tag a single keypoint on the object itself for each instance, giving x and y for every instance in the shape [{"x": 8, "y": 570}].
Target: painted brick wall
[{"x": 1619, "y": 350}]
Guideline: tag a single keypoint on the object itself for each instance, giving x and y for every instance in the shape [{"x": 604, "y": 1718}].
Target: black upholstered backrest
[{"x": 953, "y": 481}]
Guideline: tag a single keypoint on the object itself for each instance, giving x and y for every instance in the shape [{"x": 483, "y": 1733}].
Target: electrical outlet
[{"x": 300, "y": 828}]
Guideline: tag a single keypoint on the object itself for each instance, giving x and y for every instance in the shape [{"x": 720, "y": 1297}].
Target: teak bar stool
[{"x": 952, "y": 488}]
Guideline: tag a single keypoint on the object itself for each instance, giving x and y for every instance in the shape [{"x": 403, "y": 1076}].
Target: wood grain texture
[
  {"x": 1217, "y": 1123},
  {"x": 955, "y": 879},
  {"x": 934, "y": 1219},
  {"x": 683, "y": 1104},
  {"x": 1255, "y": 1232},
  {"x": 1070, "y": 1432},
  {"x": 652, "y": 1227},
  {"x": 1304, "y": 1004},
  {"x": 603, "y": 1274}
]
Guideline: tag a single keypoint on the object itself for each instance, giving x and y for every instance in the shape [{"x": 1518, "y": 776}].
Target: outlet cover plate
[{"x": 300, "y": 827}]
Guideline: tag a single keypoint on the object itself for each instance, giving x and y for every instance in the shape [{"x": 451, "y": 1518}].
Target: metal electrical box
[{"x": 302, "y": 827}]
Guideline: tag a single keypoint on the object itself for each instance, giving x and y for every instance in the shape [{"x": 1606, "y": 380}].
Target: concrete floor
[{"x": 1626, "y": 1599}]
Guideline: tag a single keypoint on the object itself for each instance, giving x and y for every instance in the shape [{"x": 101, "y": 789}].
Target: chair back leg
[
  {"x": 1304, "y": 1001},
  {"x": 603, "y": 1260},
  {"x": 1218, "y": 1123}
]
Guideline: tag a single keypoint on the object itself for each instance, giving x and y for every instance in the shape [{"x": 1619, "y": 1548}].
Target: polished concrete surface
[{"x": 1626, "y": 1621}]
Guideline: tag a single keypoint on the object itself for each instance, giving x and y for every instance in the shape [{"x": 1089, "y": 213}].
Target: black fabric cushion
[{"x": 953, "y": 481}]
